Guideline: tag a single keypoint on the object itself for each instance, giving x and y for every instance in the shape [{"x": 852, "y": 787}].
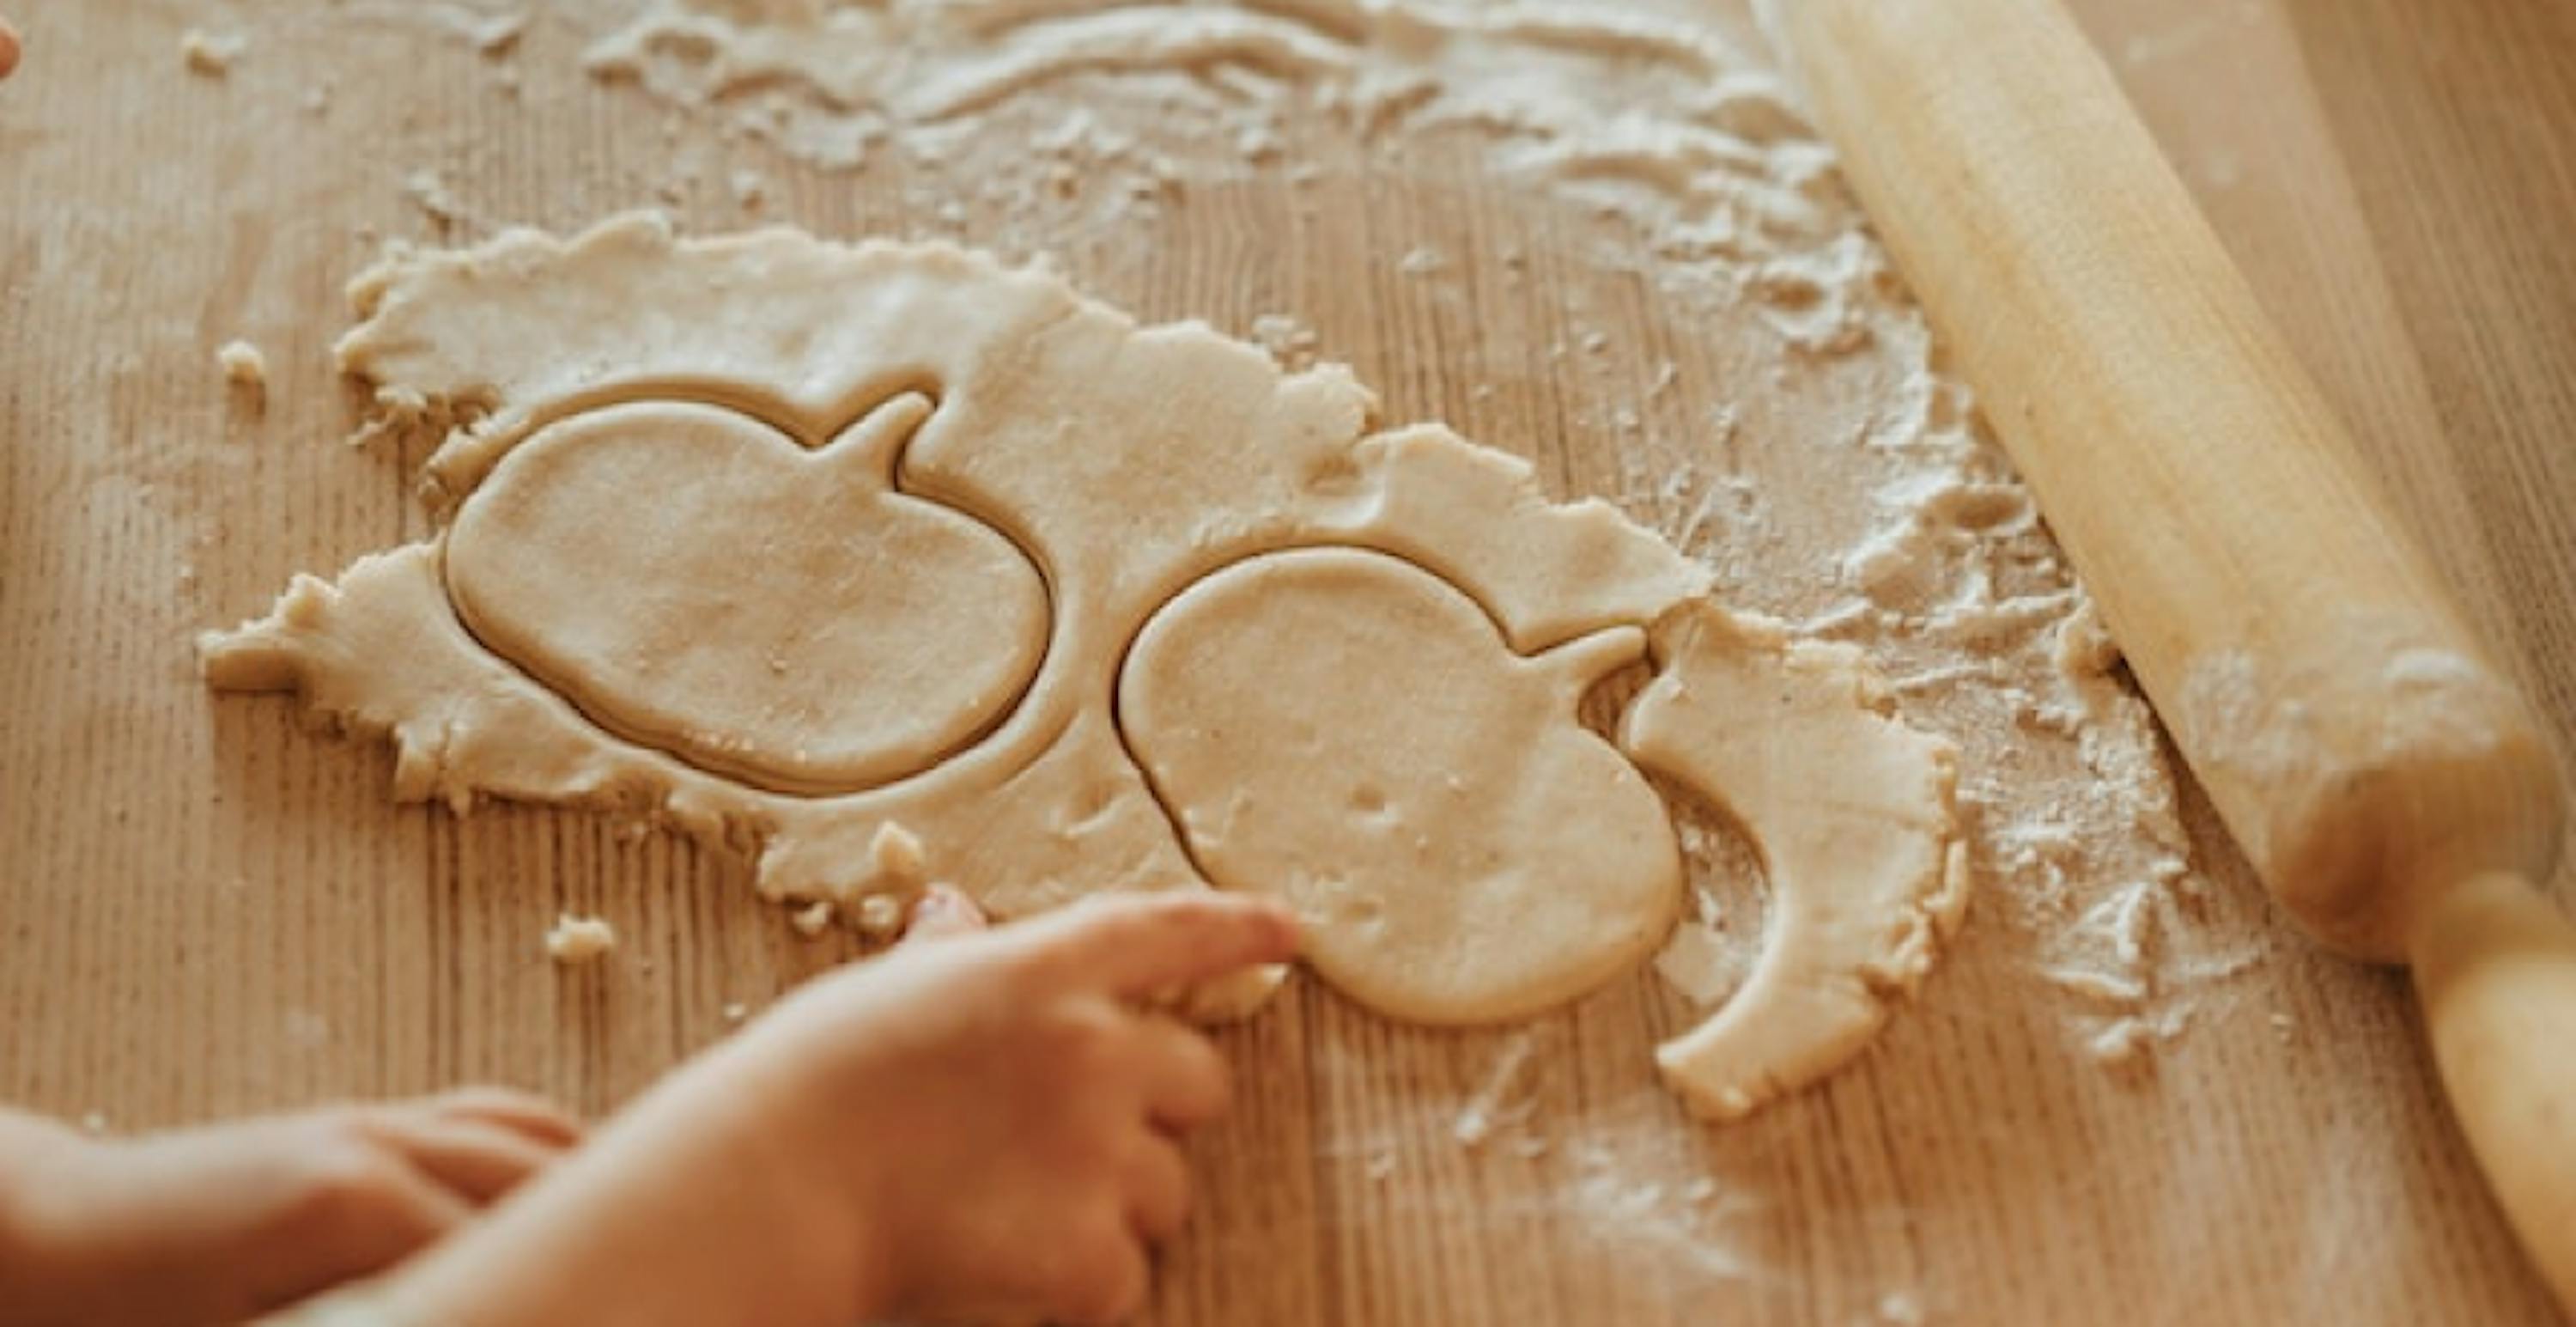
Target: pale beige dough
[
  {"x": 1350, "y": 733},
  {"x": 928, "y": 622},
  {"x": 846, "y": 637},
  {"x": 1855, "y": 816},
  {"x": 572, "y": 940},
  {"x": 242, "y": 363}
]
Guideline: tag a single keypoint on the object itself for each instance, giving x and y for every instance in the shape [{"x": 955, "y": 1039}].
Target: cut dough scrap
[
  {"x": 1855, "y": 817},
  {"x": 609, "y": 557},
  {"x": 1348, "y": 732},
  {"x": 1127, "y": 463}
]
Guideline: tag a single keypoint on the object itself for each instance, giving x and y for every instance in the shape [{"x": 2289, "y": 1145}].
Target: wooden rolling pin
[{"x": 2389, "y": 783}]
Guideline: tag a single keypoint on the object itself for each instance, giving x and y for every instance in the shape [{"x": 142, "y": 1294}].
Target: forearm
[
  {"x": 24, "y": 1262},
  {"x": 47, "y": 1275},
  {"x": 673, "y": 1214}
]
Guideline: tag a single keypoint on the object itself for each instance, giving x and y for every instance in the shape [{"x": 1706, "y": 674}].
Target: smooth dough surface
[
  {"x": 1349, "y": 733},
  {"x": 784, "y": 542},
  {"x": 844, "y": 636}
]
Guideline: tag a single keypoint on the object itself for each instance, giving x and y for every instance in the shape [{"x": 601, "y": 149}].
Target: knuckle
[
  {"x": 1089, "y": 1035},
  {"x": 348, "y": 1181}
]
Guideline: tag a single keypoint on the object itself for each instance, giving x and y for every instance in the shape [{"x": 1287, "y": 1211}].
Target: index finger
[{"x": 1143, "y": 944}]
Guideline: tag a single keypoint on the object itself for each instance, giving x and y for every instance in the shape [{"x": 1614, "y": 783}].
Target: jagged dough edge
[
  {"x": 1856, "y": 817},
  {"x": 1049, "y": 809}
]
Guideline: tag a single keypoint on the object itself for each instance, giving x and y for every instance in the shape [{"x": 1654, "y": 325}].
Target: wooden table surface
[{"x": 206, "y": 909}]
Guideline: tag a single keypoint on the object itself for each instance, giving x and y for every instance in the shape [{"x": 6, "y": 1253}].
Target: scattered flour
[
  {"x": 1622, "y": 1193},
  {"x": 428, "y": 191},
  {"x": 1846, "y": 483},
  {"x": 1289, "y": 341},
  {"x": 1477, "y": 1119},
  {"x": 1840, "y": 480},
  {"x": 1901, "y": 1308}
]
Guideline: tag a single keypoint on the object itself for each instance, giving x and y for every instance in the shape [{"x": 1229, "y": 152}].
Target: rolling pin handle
[{"x": 2495, "y": 968}]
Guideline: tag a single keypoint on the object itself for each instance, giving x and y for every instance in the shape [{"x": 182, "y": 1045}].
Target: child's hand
[
  {"x": 983, "y": 1125},
  {"x": 220, "y": 1223}
]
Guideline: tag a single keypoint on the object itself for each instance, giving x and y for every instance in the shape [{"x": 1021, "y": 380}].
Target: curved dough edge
[{"x": 1855, "y": 815}]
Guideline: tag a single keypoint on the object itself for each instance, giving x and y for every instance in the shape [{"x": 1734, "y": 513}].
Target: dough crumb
[
  {"x": 243, "y": 364},
  {"x": 317, "y": 99},
  {"x": 94, "y": 1122},
  {"x": 811, "y": 920},
  {"x": 897, "y": 855},
  {"x": 1290, "y": 342},
  {"x": 736, "y": 1011},
  {"x": 495, "y": 36},
  {"x": 1901, "y": 1308},
  {"x": 2130, "y": 1039},
  {"x": 579, "y": 939},
  {"x": 210, "y": 55},
  {"x": 428, "y": 191},
  {"x": 880, "y": 916},
  {"x": 1421, "y": 260}
]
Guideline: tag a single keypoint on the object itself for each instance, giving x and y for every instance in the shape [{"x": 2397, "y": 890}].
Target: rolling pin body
[{"x": 2391, "y": 787}]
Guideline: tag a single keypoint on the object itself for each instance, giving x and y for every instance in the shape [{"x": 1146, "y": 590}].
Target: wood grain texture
[{"x": 206, "y": 909}]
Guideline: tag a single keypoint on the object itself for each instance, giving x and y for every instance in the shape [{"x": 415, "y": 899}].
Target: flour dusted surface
[{"x": 1749, "y": 420}]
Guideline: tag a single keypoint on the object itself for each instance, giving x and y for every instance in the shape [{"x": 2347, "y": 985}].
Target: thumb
[{"x": 1140, "y": 945}]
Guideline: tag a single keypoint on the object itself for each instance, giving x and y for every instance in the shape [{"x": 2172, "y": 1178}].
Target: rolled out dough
[
  {"x": 790, "y": 543},
  {"x": 1349, "y": 733}
]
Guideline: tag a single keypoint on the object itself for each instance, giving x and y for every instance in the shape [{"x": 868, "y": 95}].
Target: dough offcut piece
[
  {"x": 1347, "y": 732},
  {"x": 1855, "y": 817}
]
